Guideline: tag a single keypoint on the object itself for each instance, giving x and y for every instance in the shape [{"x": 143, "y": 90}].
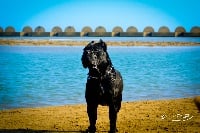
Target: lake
[
  {"x": 35, "y": 76},
  {"x": 124, "y": 39}
]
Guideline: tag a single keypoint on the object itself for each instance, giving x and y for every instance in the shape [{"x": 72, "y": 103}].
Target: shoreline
[
  {"x": 49, "y": 42},
  {"x": 172, "y": 115}
]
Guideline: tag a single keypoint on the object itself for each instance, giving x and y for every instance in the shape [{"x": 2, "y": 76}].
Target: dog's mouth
[
  {"x": 94, "y": 65},
  {"x": 94, "y": 71},
  {"x": 94, "y": 68}
]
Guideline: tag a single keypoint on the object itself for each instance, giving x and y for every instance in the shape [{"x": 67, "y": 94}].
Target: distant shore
[
  {"x": 175, "y": 115},
  {"x": 63, "y": 42}
]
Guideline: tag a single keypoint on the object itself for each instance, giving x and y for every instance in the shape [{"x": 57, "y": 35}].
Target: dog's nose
[
  {"x": 95, "y": 57},
  {"x": 94, "y": 63},
  {"x": 94, "y": 66}
]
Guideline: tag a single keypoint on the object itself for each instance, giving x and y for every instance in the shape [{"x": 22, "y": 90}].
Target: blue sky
[{"x": 93, "y": 13}]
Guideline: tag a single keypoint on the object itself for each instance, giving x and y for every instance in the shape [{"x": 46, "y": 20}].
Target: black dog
[{"x": 104, "y": 84}]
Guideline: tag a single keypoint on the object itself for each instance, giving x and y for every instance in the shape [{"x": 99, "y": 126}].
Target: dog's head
[{"x": 95, "y": 55}]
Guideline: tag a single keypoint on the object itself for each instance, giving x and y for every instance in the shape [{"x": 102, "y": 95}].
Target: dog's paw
[
  {"x": 113, "y": 131},
  {"x": 91, "y": 129}
]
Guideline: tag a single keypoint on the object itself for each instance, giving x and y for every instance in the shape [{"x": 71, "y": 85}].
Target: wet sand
[
  {"x": 175, "y": 115},
  {"x": 83, "y": 43}
]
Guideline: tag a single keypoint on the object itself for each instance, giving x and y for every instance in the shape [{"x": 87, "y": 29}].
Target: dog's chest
[
  {"x": 104, "y": 95},
  {"x": 105, "y": 91}
]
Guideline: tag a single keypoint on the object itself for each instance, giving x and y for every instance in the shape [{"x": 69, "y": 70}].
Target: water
[
  {"x": 140, "y": 39},
  {"x": 32, "y": 76}
]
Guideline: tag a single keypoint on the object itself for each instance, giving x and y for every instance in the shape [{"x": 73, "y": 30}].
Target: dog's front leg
[
  {"x": 92, "y": 114},
  {"x": 113, "y": 118}
]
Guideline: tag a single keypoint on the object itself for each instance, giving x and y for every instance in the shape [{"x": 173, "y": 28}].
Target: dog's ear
[
  {"x": 103, "y": 44},
  {"x": 88, "y": 46},
  {"x": 84, "y": 60},
  {"x": 92, "y": 42},
  {"x": 100, "y": 41},
  {"x": 84, "y": 57}
]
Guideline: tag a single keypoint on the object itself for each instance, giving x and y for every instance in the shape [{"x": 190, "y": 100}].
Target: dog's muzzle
[
  {"x": 94, "y": 62},
  {"x": 94, "y": 67}
]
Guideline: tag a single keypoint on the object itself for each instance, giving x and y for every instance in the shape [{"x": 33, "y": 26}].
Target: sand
[
  {"x": 175, "y": 115},
  {"x": 83, "y": 43}
]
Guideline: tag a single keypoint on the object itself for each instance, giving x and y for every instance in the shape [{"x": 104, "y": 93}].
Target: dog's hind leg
[{"x": 92, "y": 114}]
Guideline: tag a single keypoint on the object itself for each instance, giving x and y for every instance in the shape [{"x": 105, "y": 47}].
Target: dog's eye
[
  {"x": 100, "y": 53},
  {"x": 88, "y": 51},
  {"x": 97, "y": 52}
]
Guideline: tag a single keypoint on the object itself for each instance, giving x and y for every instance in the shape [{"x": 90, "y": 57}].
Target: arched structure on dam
[
  {"x": 40, "y": 32},
  {"x": 56, "y": 29},
  {"x": 179, "y": 31},
  {"x": 116, "y": 31},
  {"x": 86, "y": 30},
  {"x": 39, "y": 29},
  {"x": 27, "y": 29},
  {"x": 100, "y": 29},
  {"x": 1, "y": 29},
  {"x": 148, "y": 31},
  {"x": 10, "y": 29},
  {"x": 131, "y": 29},
  {"x": 70, "y": 29},
  {"x": 195, "y": 29},
  {"x": 163, "y": 29}
]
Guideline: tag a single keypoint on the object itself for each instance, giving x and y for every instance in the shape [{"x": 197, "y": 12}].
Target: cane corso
[{"x": 104, "y": 84}]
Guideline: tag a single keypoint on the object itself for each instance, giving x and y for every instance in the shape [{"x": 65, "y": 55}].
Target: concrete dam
[{"x": 99, "y": 31}]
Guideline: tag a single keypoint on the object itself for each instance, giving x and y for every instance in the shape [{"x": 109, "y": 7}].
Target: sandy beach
[
  {"x": 82, "y": 43},
  {"x": 175, "y": 115}
]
